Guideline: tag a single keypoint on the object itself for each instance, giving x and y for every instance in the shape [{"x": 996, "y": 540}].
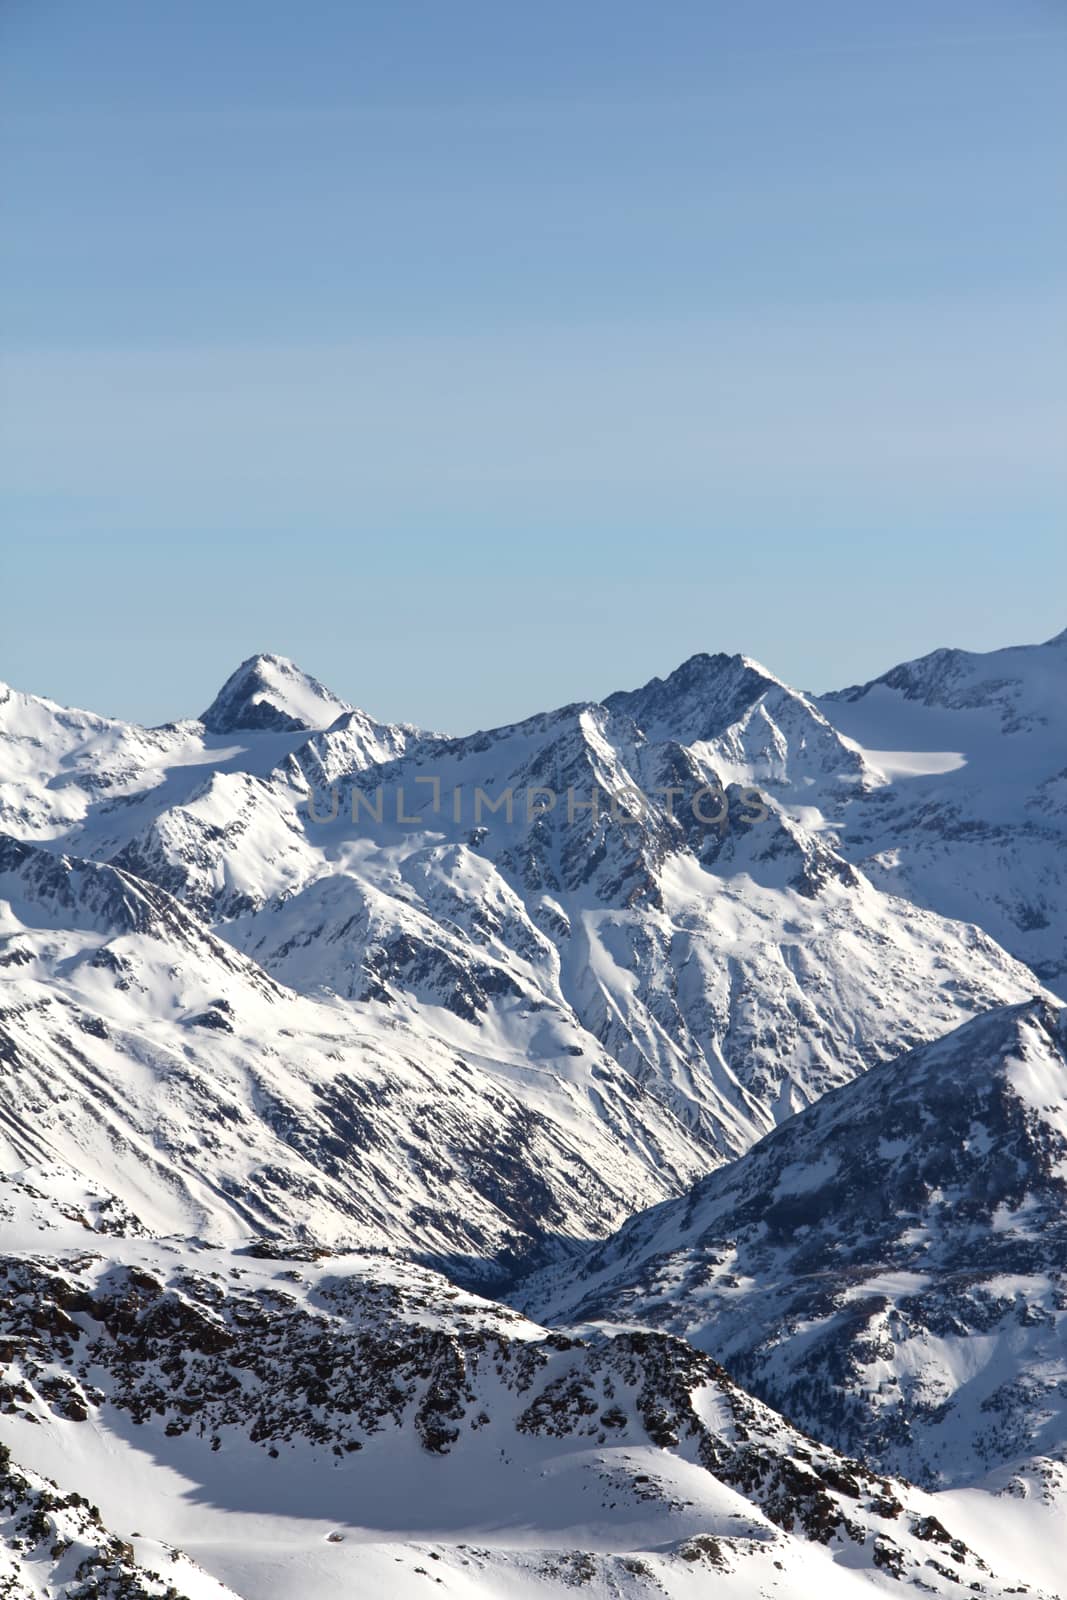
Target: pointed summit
[
  {"x": 699, "y": 700},
  {"x": 270, "y": 694}
]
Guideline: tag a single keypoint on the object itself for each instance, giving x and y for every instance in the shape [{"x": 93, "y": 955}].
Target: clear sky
[{"x": 482, "y": 356}]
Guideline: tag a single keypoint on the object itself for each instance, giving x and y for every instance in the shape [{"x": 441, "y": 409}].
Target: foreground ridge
[{"x": 368, "y": 1371}]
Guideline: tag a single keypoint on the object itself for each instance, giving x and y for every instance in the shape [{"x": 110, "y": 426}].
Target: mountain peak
[
  {"x": 703, "y": 696},
  {"x": 270, "y": 693}
]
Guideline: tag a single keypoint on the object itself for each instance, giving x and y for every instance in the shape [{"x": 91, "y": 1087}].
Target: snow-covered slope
[
  {"x": 360, "y": 1422},
  {"x": 56, "y": 763},
  {"x": 54, "y": 1546},
  {"x": 889, "y": 1268},
  {"x": 151, "y": 1056},
  {"x": 972, "y": 821},
  {"x": 93, "y": 781}
]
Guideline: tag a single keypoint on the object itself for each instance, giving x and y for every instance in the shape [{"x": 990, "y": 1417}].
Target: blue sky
[{"x": 485, "y": 356}]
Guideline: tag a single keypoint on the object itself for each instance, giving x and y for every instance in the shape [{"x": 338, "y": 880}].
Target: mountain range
[{"x": 716, "y": 1026}]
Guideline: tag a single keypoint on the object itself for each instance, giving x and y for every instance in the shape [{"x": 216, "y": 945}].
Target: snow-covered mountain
[
  {"x": 720, "y": 950},
  {"x": 271, "y": 693},
  {"x": 890, "y": 1267},
  {"x": 155, "y": 1058},
  {"x": 973, "y": 822},
  {"x": 614, "y": 926},
  {"x": 312, "y": 1025}
]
